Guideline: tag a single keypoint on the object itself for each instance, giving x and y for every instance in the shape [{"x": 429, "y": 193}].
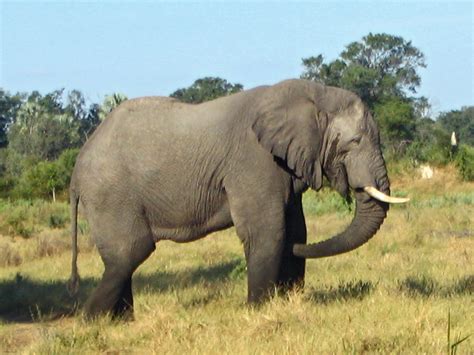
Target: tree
[
  {"x": 46, "y": 178},
  {"x": 397, "y": 124},
  {"x": 42, "y": 128},
  {"x": 66, "y": 162},
  {"x": 206, "y": 89},
  {"x": 110, "y": 102},
  {"x": 41, "y": 180},
  {"x": 377, "y": 67},
  {"x": 88, "y": 118},
  {"x": 90, "y": 122},
  {"x": 9, "y": 106},
  {"x": 383, "y": 70},
  {"x": 461, "y": 122},
  {"x": 76, "y": 105}
]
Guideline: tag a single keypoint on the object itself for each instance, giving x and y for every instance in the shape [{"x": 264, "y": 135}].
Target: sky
[{"x": 143, "y": 48}]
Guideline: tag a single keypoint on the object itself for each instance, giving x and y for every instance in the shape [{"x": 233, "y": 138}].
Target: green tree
[
  {"x": 9, "y": 106},
  {"x": 396, "y": 120},
  {"x": 41, "y": 134},
  {"x": 41, "y": 180},
  {"x": 76, "y": 105},
  {"x": 465, "y": 162},
  {"x": 383, "y": 70},
  {"x": 206, "y": 89},
  {"x": 90, "y": 122},
  {"x": 379, "y": 66},
  {"x": 88, "y": 117},
  {"x": 459, "y": 121},
  {"x": 43, "y": 128},
  {"x": 45, "y": 179},
  {"x": 66, "y": 162},
  {"x": 110, "y": 102}
]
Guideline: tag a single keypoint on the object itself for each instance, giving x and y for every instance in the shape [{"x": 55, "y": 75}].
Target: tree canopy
[
  {"x": 383, "y": 70},
  {"x": 205, "y": 89},
  {"x": 378, "y": 66},
  {"x": 460, "y": 121}
]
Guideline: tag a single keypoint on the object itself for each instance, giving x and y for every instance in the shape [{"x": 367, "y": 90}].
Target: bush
[
  {"x": 57, "y": 220},
  {"x": 45, "y": 179},
  {"x": 17, "y": 223},
  {"x": 429, "y": 152},
  {"x": 25, "y": 218},
  {"x": 465, "y": 162}
]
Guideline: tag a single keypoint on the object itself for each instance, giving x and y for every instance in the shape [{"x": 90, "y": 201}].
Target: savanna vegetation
[
  {"x": 403, "y": 292},
  {"x": 410, "y": 290}
]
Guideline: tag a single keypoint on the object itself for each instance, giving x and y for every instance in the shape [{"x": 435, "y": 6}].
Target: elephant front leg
[
  {"x": 262, "y": 232},
  {"x": 292, "y": 268},
  {"x": 263, "y": 254},
  {"x": 258, "y": 214}
]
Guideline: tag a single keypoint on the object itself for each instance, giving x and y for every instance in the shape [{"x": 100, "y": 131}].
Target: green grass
[{"x": 409, "y": 290}]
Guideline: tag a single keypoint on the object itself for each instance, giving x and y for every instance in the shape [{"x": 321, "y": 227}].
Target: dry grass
[{"x": 392, "y": 295}]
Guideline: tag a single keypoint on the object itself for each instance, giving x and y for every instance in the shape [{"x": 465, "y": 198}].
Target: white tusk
[{"x": 372, "y": 191}]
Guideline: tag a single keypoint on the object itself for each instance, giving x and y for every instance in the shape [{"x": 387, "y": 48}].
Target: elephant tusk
[{"x": 378, "y": 195}]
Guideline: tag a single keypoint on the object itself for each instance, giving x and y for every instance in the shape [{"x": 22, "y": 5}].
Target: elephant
[{"x": 159, "y": 169}]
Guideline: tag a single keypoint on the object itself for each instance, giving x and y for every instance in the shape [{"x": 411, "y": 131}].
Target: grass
[{"x": 409, "y": 290}]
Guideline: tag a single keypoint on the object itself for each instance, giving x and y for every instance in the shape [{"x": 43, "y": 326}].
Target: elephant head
[{"x": 318, "y": 130}]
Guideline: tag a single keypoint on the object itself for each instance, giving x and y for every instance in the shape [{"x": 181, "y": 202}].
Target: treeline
[{"x": 40, "y": 135}]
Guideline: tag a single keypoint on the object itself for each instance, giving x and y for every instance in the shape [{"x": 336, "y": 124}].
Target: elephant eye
[{"x": 356, "y": 140}]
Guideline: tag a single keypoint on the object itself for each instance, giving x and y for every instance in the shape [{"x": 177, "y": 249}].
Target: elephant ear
[{"x": 291, "y": 133}]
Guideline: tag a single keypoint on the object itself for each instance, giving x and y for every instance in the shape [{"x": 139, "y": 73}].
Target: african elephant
[{"x": 159, "y": 169}]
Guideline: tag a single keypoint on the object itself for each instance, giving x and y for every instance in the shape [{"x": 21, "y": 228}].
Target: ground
[{"x": 409, "y": 290}]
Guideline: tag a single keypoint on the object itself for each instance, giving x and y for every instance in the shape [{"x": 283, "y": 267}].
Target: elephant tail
[{"x": 73, "y": 283}]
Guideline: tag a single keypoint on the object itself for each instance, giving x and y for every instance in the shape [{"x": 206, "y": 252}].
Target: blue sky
[{"x": 153, "y": 48}]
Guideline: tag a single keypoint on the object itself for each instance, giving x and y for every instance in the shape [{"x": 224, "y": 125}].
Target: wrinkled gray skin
[{"x": 158, "y": 169}]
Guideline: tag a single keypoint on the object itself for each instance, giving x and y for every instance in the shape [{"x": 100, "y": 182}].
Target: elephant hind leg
[
  {"x": 123, "y": 245},
  {"x": 114, "y": 294},
  {"x": 123, "y": 308},
  {"x": 108, "y": 294}
]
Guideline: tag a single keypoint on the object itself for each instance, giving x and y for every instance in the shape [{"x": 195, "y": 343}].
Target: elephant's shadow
[{"x": 24, "y": 300}]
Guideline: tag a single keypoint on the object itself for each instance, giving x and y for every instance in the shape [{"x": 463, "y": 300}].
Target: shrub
[
  {"x": 27, "y": 217},
  {"x": 57, "y": 220},
  {"x": 16, "y": 222},
  {"x": 465, "y": 162},
  {"x": 43, "y": 179}
]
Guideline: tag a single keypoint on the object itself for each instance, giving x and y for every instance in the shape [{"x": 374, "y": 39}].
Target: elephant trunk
[{"x": 369, "y": 216}]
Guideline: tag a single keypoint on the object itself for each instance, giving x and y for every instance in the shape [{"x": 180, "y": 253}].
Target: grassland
[{"x": 392, "y": 295}]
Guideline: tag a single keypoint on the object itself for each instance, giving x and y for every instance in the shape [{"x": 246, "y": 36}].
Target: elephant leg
[
  {"x": 292, "y": 268},
  {"x": 260, "y": 224},
  {"x": 123, "y": 247},
  {"x": 107, "y": 294},
  {"x": 124, "y": 306},
  {"x": 263, "y": 261}
]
